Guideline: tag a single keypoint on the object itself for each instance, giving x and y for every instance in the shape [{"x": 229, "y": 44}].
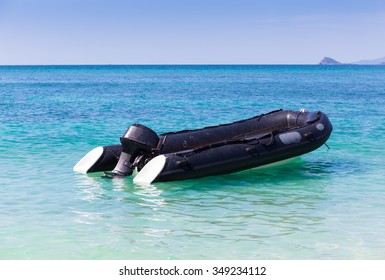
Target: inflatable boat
[{"x": 214, "y": 150}]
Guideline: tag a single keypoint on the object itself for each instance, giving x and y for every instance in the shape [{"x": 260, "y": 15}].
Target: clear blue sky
[{"x": 190, "y": 31}]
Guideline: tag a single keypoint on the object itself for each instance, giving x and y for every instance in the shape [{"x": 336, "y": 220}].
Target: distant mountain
[
  {"x": 329, "y": 61},
  {"x": 376, "y": 61}
]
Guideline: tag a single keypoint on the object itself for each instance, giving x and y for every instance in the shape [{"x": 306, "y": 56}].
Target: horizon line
[{"x": 168, "y": 64}]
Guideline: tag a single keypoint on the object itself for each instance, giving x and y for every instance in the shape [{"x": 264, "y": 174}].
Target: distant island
[{"x": 331, "y": 61}]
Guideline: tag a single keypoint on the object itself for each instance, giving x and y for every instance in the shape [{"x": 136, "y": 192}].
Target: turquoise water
[{"x": 328, "y": 204}]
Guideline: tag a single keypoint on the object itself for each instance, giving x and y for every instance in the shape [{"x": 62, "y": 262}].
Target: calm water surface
[{"x": 328, "y": 204}]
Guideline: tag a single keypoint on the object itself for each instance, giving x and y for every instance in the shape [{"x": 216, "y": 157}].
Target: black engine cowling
[{"x": 138, "y": 140}]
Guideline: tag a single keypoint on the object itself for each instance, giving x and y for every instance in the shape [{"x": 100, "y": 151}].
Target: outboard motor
[{"x": 137, "y": 141}]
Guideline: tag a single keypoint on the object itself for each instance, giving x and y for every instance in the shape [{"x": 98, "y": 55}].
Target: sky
[{"x": 190, "y": 31}]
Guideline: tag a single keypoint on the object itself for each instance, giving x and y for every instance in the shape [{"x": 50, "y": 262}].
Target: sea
[{"x": 327, "y": 204}]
